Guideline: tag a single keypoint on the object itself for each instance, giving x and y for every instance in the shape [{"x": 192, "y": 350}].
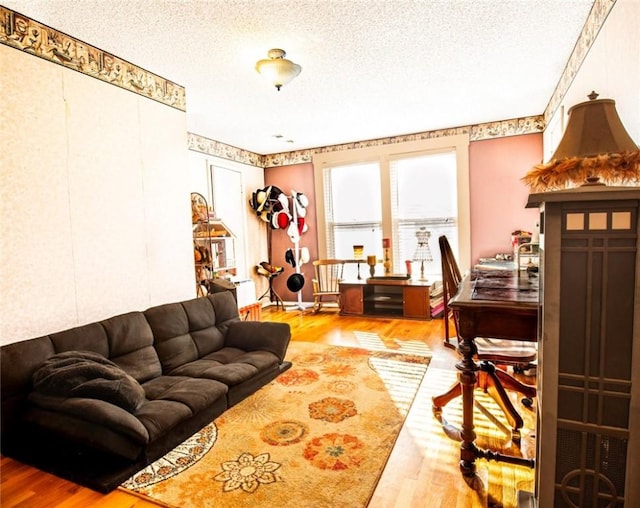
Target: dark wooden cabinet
[
  {"x": 351, "y": 299},
  {"x": 588, "y": 435},
  {"x": 402, "y": 299},
  {"x": 416, "y": 302}
]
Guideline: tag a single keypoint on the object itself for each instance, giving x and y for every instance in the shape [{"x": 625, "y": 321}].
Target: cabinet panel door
[
  {"x": 351, "y": 299},
  {"x": 416, "y": 302}
]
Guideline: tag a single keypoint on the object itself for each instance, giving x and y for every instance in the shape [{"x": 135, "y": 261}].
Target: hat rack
[
  {"x": 283, "y": 211},
  {"x": 296, "y": 248}
]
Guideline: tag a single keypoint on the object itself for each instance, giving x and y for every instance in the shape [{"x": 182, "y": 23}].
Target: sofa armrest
[{"x": 259, "y": 336}]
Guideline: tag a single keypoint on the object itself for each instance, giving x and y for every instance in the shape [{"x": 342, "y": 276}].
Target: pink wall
[
  {"x": 298, "y": 177},
  {"x": 498, "y": 197}
]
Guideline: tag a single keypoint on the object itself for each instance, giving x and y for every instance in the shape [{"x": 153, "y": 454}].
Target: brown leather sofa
[{"x": 96, "y": 403}]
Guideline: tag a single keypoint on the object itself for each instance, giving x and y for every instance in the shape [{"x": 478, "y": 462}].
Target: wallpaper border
[
  {"x": 479, "y": 132},
  {"x": 595, "y": 20},
  {"x": 24, "y": 34}
]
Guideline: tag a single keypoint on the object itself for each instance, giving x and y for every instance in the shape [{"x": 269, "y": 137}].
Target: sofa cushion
[
  {"x": 131, "y": 345},
  {"x": 172, "y": 340},
  {"x": 88, "y": 375},
  {"x": 95, "y": 414},
  {"x": 90, "y": 337},
  {"x": 225, "y": 308},
  {"x": 259, "y": 335},
  {"x": 196, "y": 394},
  {"x": 229, "y": 365},
  {"x": 202, "y": 325},
  {"x": 186, "y": 331},
  {"x": 174, "y": 399},
  {"x": 171, "y": 402}
]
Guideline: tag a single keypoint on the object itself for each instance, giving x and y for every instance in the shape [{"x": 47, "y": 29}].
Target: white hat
[
  {"x": 298, "y": 199},
  {"x": 304, "y": 255},
  {"x": 293, "y": 232},
  {"x": 284, "y": 201},
  {"x": 301, "y": 199}
]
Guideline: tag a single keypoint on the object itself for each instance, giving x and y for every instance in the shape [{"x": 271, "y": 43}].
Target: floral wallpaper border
[
  {"x": 479, "y": 132},
  {"x": 592, "y": 26},
  {"x": 27, "y": 35},
  {"x": 209, "y": 146}
]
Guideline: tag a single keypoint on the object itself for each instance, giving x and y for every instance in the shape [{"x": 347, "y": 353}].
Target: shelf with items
[
  {"x": 213, "y": 244},
  {"x": 527, "y": 256},
  {"x": 215, "y": 236},
  {"x": 387, "y": 300}
]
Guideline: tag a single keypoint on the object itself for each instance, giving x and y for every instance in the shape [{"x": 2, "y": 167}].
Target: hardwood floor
[{"x": 422, "y": 470}]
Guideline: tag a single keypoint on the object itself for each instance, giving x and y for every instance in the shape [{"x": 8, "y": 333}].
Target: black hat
[
  {"x": 295, "y": 282},
  {"x": 288, "y": 257}
]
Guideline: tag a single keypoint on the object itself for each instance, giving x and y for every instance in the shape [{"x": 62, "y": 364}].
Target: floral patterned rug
[{"x": 317, "y": 436}]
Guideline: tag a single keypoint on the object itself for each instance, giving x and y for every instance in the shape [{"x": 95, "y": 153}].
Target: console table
[{"x": 385, "y": 298}]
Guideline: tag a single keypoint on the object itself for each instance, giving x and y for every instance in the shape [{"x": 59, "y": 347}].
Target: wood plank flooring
[{"x": 422, "y": 471}]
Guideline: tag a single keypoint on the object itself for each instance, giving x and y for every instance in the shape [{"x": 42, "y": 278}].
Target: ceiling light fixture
[{"x": 277, "y": 70}]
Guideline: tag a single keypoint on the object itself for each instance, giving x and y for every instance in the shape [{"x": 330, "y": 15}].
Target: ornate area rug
[{"x": 317, "y": 436}]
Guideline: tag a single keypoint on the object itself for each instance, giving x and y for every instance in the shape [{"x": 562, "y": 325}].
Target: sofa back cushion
[
  {"x": 171, "y": 337},
  {"x": 225, "y": 308},
  {"x": 186, "y": 331},
  {"x": 203, "y": 326},
  {"x": 131, "y": 345},
  {"x": 90, "y": 337}
]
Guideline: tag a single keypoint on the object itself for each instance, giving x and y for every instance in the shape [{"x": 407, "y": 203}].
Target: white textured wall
[
  {"x": 612, "y": 69},
  {"x": 94, "y": 200}
]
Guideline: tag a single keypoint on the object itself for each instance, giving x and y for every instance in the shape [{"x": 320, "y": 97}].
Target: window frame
[{"x": 382, "y": 154}]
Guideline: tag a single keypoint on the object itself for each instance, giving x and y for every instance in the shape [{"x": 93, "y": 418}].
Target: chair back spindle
[{"x": 326, "y": 284}]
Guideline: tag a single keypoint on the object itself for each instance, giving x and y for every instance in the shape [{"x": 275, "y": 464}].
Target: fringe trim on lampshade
[{"x": 614, "y": 168}]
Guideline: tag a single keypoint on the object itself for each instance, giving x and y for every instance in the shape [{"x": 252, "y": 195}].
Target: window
[
  {"x": 423, "y": 196},
  {"x": 391, "y": 191},
  {"x": 353, "y": 212}
]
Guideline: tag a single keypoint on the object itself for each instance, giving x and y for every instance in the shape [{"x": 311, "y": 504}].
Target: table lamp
[
  {"x": 423, "y": 251},
  {"x": 358, "y": 251}
]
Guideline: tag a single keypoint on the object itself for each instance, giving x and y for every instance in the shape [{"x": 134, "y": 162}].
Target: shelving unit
[
  {"x": 213, "y": 243},
  {"x": 383, "y": 300},
  {"x": 400, "y": 299},
  {"x": 527, "y": 255}
]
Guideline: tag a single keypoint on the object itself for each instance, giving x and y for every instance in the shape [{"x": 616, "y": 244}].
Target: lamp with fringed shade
[{"x": 594, "y": 150}]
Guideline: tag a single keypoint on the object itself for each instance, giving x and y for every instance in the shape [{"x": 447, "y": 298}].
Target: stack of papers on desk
[{"x": 504, "y": 285}]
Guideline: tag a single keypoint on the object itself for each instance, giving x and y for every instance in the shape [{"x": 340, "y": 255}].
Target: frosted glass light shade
[{"x": 277, "y": 70}]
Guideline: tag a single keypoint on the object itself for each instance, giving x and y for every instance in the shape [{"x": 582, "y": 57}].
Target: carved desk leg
[{"x": 467, "y": 376}]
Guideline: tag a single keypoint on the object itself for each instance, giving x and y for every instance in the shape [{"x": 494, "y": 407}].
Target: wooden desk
[{"x": 496, "y": 304}]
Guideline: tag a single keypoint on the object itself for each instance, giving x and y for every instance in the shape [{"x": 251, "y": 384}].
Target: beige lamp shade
[
  {"x": 277, "y": 70},
  {"x": 594, "y": 128},
  {"x": 595, "y": 149}
]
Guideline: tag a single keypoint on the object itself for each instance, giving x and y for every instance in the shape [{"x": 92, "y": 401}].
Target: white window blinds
[{"x": 423, "y": 195}]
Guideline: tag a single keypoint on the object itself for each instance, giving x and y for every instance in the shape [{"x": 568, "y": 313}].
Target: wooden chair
[
  {"x": 491, "y": 379},
  {"x": 328, "y": 273}
]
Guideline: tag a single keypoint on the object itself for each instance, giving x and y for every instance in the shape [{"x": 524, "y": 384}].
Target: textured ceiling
[{"x": 370, "y": 68}]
